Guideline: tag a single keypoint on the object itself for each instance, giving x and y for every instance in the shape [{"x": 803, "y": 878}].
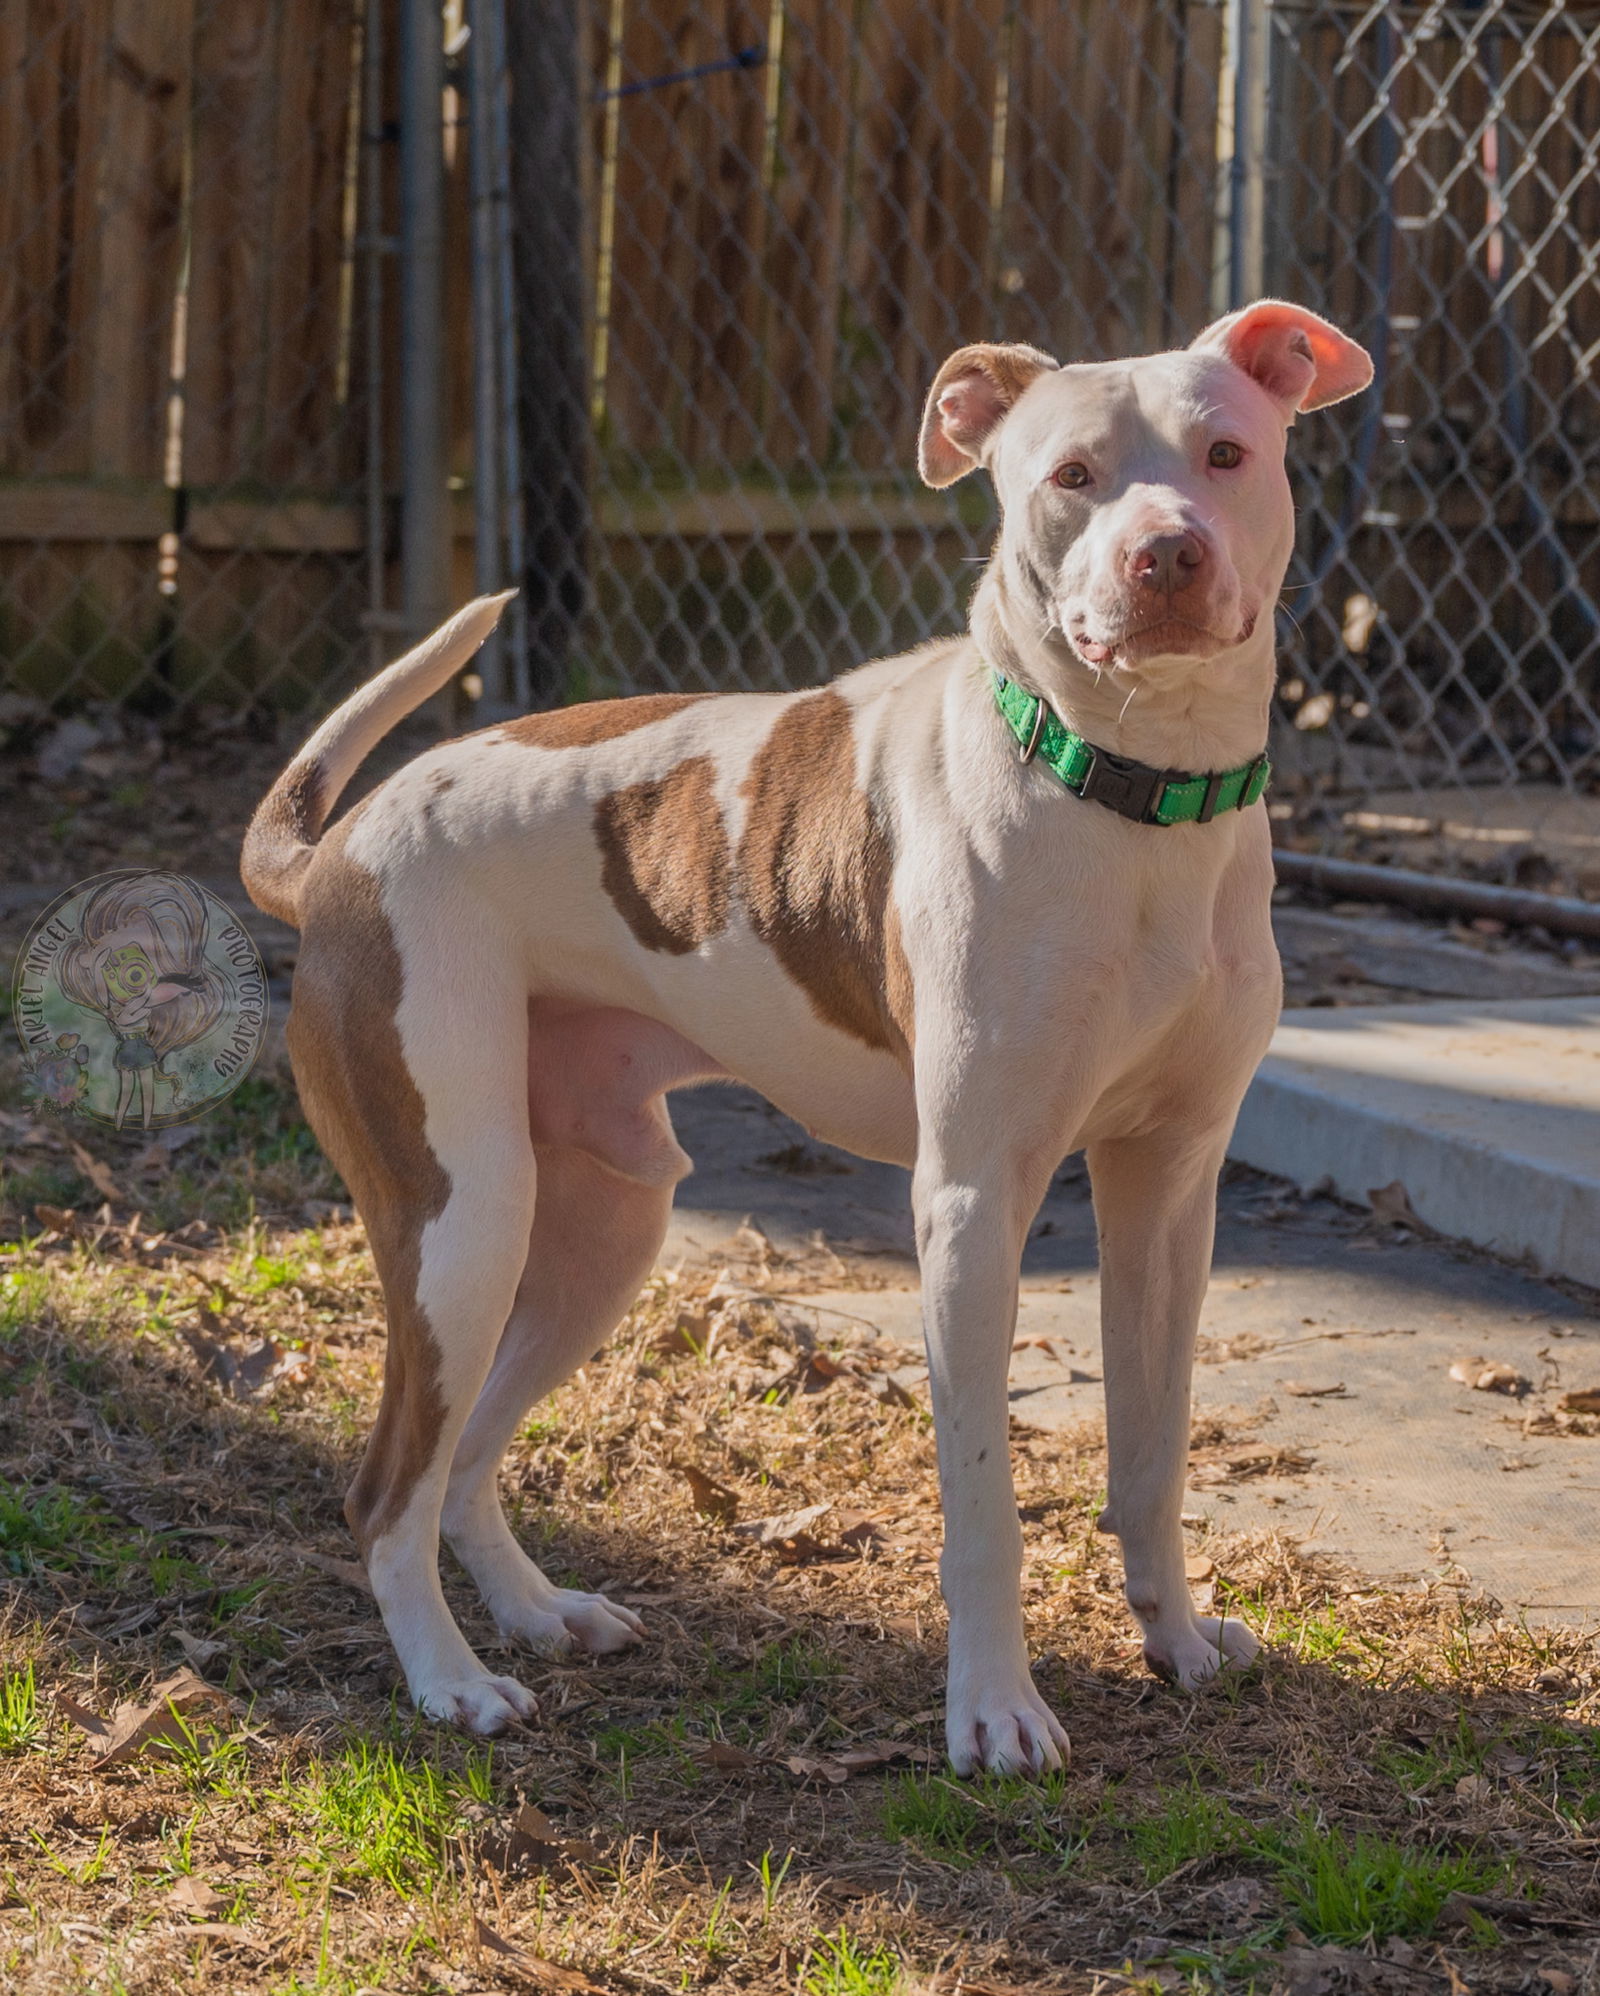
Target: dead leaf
[
  {"x": 97, "y": 1174},
  {"x": 56, "y": 1219},
  {"x": 193, "y": 1896},
  {"x": 790, "y": 1534},
  {"x": 893, "y": 1394},
  {"x": 81, "y": 1716},
  {"x": 1309, "y": 1971},
  {"x": 1558, "y": 1981},
  {"x": 1485, "y": 1375},
  {"x": 1391, "y": 1207},
  {"x": 225, "y": 1930},
  {"x": 856, "y": 1529},
  {"x": 1473, "y": 1788},
  {"x": 548, "y": 1974},
  {"x": 1299, "y": 1389},
  {"x": 156, "y": 1157},
  {"x": 345, "y": 1570},
  {"x": 1237, "y": 1899},
  {"x": 694, "y": 1332},
  {"x": 1585, "y": 1400},
  {"x": 730, "y": 1759},
  {"x": 837, "y": 1767},
  {"x": 531, "y": 1842},
  {"x": 242, "y": 1371},
  {"x": 134, "y": 1727},
  {"x": 711, "y": 1499},
  {"x": 200, "y": 1650}
]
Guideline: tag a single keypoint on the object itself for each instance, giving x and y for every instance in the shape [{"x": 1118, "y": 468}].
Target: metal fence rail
[{"x": 725, "y": 248}]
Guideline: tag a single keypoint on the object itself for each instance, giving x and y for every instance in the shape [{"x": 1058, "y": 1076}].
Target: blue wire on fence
[{"x": 750, "y": 58}]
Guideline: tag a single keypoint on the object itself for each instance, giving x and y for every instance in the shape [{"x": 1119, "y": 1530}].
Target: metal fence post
[
  {"x": 485, "y": 80},
  {"x": 425, "y": 501},
  {"x": 546, "y": 133},
  {"x": 1240, "y": 234}
]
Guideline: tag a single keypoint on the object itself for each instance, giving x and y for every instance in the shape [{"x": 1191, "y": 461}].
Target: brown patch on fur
[
  {"x": 814, "y": 872},
  {"x": 596, "y": 720},
  {"x": 664, "y": 857},
  {"x": 281, "y": 839},
  {"x": 369, "y": 1116}
]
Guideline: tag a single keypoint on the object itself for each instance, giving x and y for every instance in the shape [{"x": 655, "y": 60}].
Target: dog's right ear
[{"x": 975, "y": 388}]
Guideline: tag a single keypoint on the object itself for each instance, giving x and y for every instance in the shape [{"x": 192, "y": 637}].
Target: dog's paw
[
  {"x": 478, "y": 1704},
  {"x": 1209, "y": 1646},
  {"x": 1004, "y": 1730},
  {"x": 564, "y": 1619}
]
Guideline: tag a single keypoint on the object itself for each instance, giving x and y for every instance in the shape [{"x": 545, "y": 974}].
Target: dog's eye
[
  {"x": 1072, "y": 477},
  {"x": 1224, "y": 456}
]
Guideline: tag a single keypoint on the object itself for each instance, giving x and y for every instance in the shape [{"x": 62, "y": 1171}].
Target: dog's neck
[{"x": 1207, "y": 714}]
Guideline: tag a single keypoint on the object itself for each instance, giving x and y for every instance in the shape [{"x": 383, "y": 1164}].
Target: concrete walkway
[
  {"x": 1488, "y": 1114},
  {"x": 1326, "y": 1347}
]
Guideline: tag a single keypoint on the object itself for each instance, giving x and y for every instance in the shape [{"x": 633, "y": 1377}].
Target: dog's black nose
[{"x": 1168, "y": 562}]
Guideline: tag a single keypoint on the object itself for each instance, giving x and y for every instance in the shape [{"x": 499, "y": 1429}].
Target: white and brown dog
[{"x": 880, "y": 904}]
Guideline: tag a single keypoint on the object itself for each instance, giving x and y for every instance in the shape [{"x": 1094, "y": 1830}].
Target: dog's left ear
[
  {"x": 975, "y": 388},
  {"x": 1300, "y": 360}
]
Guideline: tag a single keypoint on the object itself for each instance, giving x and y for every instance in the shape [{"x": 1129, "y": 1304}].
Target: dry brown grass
[{"x": 1406, "y": 1764}]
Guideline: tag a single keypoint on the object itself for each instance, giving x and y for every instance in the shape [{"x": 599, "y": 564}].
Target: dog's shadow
[{"x": 1377, "y": 1733}]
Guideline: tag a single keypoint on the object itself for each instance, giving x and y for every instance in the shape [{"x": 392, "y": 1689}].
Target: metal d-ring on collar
[{"x": 1030, "y": 748}]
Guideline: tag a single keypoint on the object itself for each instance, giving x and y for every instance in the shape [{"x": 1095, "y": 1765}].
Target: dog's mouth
[{"x": 1163, "y": 637}]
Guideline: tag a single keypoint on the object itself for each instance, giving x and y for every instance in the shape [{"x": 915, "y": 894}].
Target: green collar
[{"x": 1131, "y": 789}]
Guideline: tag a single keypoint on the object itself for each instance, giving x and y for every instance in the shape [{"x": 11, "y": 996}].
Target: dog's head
[{"x": 1146, "y": 508}]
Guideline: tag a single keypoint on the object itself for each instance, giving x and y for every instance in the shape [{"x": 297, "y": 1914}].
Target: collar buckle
[{"x": 1131, "y": 789}]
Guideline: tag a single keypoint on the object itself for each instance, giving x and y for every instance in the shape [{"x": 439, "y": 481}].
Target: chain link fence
[{"x": 783, "y": 215}]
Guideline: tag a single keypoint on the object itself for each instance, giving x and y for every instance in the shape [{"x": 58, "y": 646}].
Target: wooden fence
[{"x": 780, "y": 250}]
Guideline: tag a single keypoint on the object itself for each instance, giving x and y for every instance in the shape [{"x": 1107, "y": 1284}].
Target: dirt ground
[{"x": 209, "y": 1777}]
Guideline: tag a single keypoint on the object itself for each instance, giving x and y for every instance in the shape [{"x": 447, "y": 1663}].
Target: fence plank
[
  {"x": 54, "y": 83},
  {"x": 307, "y": 436},
  {"x": 230, "y": 289},
  {"x": 139, "y": 197}
]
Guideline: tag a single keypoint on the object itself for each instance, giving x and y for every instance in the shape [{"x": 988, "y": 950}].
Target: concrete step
[{"x": 1488, "y": 1114}]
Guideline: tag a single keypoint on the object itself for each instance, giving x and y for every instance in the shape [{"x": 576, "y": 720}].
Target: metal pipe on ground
[{"x": 1438, "y": 894}]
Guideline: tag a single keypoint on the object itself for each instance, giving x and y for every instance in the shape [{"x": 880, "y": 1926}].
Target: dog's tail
[{"x": 288, "y": 822}]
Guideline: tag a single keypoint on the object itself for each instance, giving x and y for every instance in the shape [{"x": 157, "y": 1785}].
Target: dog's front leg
[
  {"x": 970, "y": 1229},
  {"x": 1155, "y": 1201}
]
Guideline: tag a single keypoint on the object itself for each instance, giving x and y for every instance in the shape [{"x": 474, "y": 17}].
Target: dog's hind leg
[
  {"x": 404, "y": 1079},
  {"x": 595, "y": 1239}
]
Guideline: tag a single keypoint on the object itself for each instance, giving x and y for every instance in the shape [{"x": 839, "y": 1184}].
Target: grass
[
  {"x": 1189, "y": 1825},
  {"x": 1354, "y": 1887},
  {"x": 843, "y": 1965},
  {"x": 20, "y": 1718},
  {"x": 1394, "y": 1751},
  {"x": 374, "y": 1813}
]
